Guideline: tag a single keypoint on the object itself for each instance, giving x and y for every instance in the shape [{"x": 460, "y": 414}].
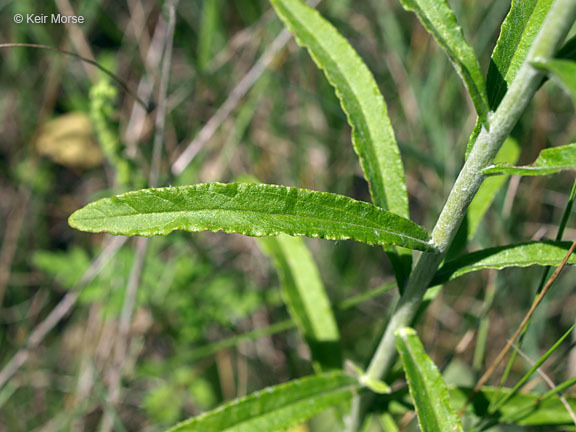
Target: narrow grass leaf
[
  {"x": 549, "y": 161},
  {"x": 427, "y": 388},
  {"x": 533, "y": 369},
  {"x": 251, "y": 209},
  {"x": 306, "y": 299},
  {"x": 519, "y": 29},
  {"x": 523, "y": 409},
  {"x": 440, "y": 21},
  {"x": 276, "y": 408},
  {"x": 561, "y": 71},
  {"x": 542, "y": 253},
  {"x": 208, "y": 31}
]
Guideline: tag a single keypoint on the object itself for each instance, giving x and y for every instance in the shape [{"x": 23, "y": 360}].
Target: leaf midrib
[
  {"x": 412, "y": 357},
  {"x": 139, "y": 213}
]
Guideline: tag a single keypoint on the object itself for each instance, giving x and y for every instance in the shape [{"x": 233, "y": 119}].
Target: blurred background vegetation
[{"x": 69, "y": 134}]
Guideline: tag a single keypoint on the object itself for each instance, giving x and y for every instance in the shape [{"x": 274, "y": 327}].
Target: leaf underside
[
  {"x": 549, "y": 161},
  {"x": 251, "y": 209},
  {"x": 275, "y": 408}
]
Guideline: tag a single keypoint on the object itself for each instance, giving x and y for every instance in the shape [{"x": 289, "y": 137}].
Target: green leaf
[
  {"x": 306, "y": 299},
  {"x": 276, "y": 408},
  {"x": 376, "y": 385},
  {"x": 209, "y": 23},
  {"x": 549, "y": 161},
  {"x": 439, "y": 20},
  {"x": 568, "y": 50},
  {"x": 519, "y": 29},
  {"x": 372, "y": 132},
  {"x": 518, "y": 32},
  {"x": 561, "y": 71},
  {"x": 543, "y": 253},
  {"x": 509, "y": 152},
  {"x": 427, "y": 388},
  {"x": 251, "y": 209},
  {"x": 523, "y": 409}
]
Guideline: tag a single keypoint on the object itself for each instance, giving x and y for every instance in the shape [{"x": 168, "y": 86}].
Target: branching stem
[{"x": 560, "y": 18}]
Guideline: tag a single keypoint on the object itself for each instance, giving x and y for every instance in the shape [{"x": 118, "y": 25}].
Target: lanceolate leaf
[
  {"x": 563, "y": 72},
  {"x": 549, "y": 161},
  {"x": 519, "y": 30},
  {"x": 543, "y": 253},
  {"x": 251, "y": 209},
  {"x": 306, "y": 298},
  {"x": 275, "y": 408},
  {"x": 439, "y": 20},
  {"x": 427, "y": 388},
  {"x": 372, "y": 132}
]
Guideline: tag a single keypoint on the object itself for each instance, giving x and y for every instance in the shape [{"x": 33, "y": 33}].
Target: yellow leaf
[{"x": 68, "y": 140}]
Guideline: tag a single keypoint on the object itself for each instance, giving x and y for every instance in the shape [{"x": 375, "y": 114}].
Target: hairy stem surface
[{"x": 554, "y": 30}]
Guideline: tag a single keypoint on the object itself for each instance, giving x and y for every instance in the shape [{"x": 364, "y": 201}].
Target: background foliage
[{"x": 209, "y": 324}]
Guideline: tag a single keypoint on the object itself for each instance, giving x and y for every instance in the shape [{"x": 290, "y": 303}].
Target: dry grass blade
[
  {"x": 241, "y": 89},
  {"x": 84, "y": 59},
  {"x": 60, "y": 311}
]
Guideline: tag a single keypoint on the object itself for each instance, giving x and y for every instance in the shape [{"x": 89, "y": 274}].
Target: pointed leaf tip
[{"x": 250, "y": 209}]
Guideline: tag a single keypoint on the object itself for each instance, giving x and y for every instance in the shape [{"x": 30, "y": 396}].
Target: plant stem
[{"x": 553, "y": 31}]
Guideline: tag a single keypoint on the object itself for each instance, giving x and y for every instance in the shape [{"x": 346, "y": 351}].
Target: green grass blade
[
  {"x": 208, "y": 28},
  {"x": 517, "y": 34},
  {"x": 440, "y": 21},
  {"x": 523, "y": 409},
  {"x": 372, "y": 133},
  {"x": 543, "y": 253},
  {"x": 532, "y": 370},
  {"x": 427, "y": 388},
  {"x": 549, "y": 161},
  {"x": 561, "y": 71},
  {"x": 212, "y": 348},
  {"x": 306, "y": 299},
  {"x": 276, "y": 408},
  {"x": 251, "y": 209},
  {"x": 558, "y": 389}
]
